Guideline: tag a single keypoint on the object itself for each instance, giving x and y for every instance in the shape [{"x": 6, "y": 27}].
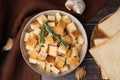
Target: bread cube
[
  {"x": 49, "y": 39},
  {"x": 37, "y": 48},
  {"x": 33, "y": 61},
  {"x": 42, "y": 18},
  {"x": 51, "y": 24},
  {"x": 80, "y": 40},
  {"x": 31, "y": 42},
  {"x": 66, "y": 19},
  {"x": 62, "y": 49},
  {"x": 71, "y": 27},
  {"x": 33, "y": 54},
  {"x": 67, "y": 54},
  {"x": 37, "y": 31},
  {"x": 53, "y": 50},
  {"x": 42, "y": 56},
  {"x": 74, "y": 51},
  {"x": 51, "y": 17},
  {"x": 50, "y": 59},
  {"x": 59, "y": 62},
  {"x": 59, "y": 29},
  {"x": 34, "y": 25},
  {"x": 48, "y": 66},
  {"x": 75, "y": 34},
  {"x": 67, "y": 61},
  {"x": 67, "y": 39},
  {"x": 55, "y": 43},
  {"x": 33, "y": 35},
  {"x": 79, "y": 47},
  {"x": 58, "y": 17},
  {"x": 41, "y": 64},
  {"x": 55, "y": 70},
  {"x": 26, "y": 36},
  {"x": 73, "y": 61},
  {"x": 65, "y": 68},
  {"x": 44, "y": 49},
  {"x": 74, "y": 41}
]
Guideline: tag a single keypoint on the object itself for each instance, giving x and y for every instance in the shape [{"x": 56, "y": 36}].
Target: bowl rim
[{"x": 81, "y": 31}]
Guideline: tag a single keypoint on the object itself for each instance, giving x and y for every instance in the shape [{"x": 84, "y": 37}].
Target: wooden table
[{"x": 93, "y": 71}]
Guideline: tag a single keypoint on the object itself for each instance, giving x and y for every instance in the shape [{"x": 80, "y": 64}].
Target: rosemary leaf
[{"x": 54, "y": 35}]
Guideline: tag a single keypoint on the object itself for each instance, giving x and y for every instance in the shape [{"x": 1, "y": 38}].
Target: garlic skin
[
  {"x": 80, "y": 73},
  {"x": 69, "y": 4},
  {"x": 78, "y": 6},
  {"x": 8, "y": 45}
]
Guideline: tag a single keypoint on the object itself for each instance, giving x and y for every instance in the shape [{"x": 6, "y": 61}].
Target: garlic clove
[
  {"x": 8, "y": 45},
  {"x": 69, "y": 4},
  {"x": 80, "y": 73},
  {"x": 79, "y": 7}
]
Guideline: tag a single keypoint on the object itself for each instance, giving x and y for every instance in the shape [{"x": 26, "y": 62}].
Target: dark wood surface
[{"x": 93, "y": 71}]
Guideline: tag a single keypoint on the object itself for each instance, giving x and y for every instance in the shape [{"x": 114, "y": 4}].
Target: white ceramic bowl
[{"x": 37, "y": 68}]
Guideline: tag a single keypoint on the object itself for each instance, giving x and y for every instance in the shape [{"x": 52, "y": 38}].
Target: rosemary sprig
[
  {"x": 42, "y": 35},
  {"x": 54, "y": 35}
]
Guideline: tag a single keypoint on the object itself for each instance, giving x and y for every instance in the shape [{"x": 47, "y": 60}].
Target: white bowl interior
[{"x": 37, "y": 68}]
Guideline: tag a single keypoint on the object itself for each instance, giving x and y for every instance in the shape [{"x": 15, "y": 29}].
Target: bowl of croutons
[{"x": 54, "y": 43}]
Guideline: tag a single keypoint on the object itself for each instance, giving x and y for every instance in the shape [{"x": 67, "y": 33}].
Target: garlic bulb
[
  {"x": 8, "y": 45},
  {"x": 77, "y": 5},
  {"x": 80, "y": 73}
]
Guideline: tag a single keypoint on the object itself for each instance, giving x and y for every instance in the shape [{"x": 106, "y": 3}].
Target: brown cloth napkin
[{"x": 14, "y": 14}]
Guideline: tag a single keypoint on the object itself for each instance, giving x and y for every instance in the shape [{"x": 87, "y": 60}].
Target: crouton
[
  {"x": 50, "y": 59},
  {"x": 59, "y": 62},
  {"x": 51, "y": 18},
  {"x": 58, "y": 17},
  {"x": 71, "y": 27},
  {"x": 55, "y": 70},
  {"x": 51, "y": 24},
  {"x": 42, "y": 56},
  {"x": 79, "y": 47},
  {"x": 65, "y": 68},
  {"x": 34, "y": 25},
  {"x": 31, "y": 42},
  {"x": 75, "y": 33},
  {"x": 67, "y": 54},
  {"x": 41, "y": 64},
  {"x": 62, "y": 49},
  {"x": 33, "y": 54},
  {"x": 41, "y": 19},
  {"x": 53, "y": 50},
  {"x": 48, "y": 66},
  {"x": 49, "y": 39},
  {"x": 73, "y": 61},
  {"x": 33, "y": 61},
  {"x": 37, "y": 31},
  {"x": 66, "y": 19},
  {"x": 80, "y": 40},
  {"x": 26, "y": 36},
  {"x": 74, "y": 51},
  {"x": 67, "y": 39},
  {"x": 59, "y": 29}
]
